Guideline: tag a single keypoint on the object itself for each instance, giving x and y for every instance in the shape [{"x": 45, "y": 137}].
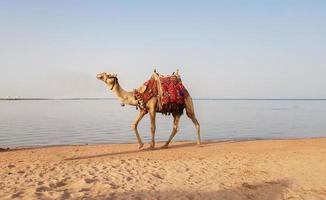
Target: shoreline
[
  {"x": 259, "y": 169},
  {"x": 19, "y": 148}
]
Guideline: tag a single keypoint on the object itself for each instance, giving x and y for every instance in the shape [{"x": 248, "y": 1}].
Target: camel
[{"x": 127, "y": 98}]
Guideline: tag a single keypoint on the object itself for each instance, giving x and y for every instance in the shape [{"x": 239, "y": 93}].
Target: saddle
[{"x": 169, "y": 91}]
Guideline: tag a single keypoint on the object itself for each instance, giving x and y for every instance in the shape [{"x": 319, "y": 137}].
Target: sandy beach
[{"x": 265, "y": 169}]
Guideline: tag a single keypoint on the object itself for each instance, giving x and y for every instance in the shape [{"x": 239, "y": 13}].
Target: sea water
[{"x": 56, "y": 122}]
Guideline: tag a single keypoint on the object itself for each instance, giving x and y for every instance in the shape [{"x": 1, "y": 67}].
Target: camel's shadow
[{"x": 173, "y": 146}]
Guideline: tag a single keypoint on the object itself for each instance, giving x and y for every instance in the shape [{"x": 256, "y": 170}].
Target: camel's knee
[
  {"x": 134, "y": 126},
  {"x": 197, "y": 126},
  {"x": 175, "y": 128},
  {"x": 153, "y": 129}
]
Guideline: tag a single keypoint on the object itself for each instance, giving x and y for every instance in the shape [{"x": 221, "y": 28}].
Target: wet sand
[{"x": 265, "y": 169}]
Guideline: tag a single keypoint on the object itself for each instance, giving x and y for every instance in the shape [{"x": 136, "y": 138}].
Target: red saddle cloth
[
  {"x": 172, "y": 97},
  {"x": 173, "y": 90}
]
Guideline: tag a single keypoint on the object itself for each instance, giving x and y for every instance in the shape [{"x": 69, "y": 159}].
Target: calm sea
[{"x": 55, "y": 122}]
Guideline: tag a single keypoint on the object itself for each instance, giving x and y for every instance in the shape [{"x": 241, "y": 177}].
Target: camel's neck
[{"x": 124, "y": 97}]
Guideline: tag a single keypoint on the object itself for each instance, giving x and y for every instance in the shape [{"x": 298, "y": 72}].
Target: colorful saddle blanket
[{"x": 170, "y": 92}]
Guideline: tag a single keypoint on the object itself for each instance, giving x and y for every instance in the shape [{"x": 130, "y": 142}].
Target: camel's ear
[{"x": 114, "y": 75}]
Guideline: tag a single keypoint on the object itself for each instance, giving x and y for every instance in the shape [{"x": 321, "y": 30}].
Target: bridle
[{"x": 115, "y": 81}]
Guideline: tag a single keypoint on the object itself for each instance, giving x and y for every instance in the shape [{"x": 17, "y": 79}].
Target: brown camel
[{"x": 125, "y": 97}]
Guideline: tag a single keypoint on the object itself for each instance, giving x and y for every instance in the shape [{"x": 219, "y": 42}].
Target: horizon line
[{"x": 198, "y": 98}]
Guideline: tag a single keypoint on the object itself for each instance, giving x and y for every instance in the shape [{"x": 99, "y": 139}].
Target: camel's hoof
[
  {"x": 140, "y": 145},
  {"x": 165, "y": 146},
  {"x": 151, "y": 148},
  {"x": 199, "y": 144}
]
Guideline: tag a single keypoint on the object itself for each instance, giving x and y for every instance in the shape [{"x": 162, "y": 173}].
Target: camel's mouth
[{"x": 100, "y": 76}]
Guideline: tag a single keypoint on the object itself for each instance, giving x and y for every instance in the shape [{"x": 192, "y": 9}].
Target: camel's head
[{"x": 108, "y": 78}]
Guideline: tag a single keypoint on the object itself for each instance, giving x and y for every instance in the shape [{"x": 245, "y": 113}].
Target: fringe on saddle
[{"x": 169, "y": 91}]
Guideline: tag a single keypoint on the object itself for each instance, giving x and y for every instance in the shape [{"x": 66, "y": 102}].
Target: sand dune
[{"x": 269, "y": 169}]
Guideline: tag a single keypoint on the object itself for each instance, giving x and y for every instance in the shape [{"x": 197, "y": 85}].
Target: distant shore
[
  {"x": 260, "y": 169},
  {"x": 228, "y": 99}
]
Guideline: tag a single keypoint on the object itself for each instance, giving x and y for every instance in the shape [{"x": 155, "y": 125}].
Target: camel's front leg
[
  {"x": 152, "y": 114},
  {"x": 135, "y": 125}
]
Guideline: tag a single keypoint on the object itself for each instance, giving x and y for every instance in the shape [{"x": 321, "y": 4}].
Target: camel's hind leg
[
  {"x": 191, "y": 114},
  {"x": 134, "y": 127},
  {"x": 176, "y": 119}
]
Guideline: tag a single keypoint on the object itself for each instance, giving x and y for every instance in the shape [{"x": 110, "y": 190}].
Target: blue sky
[{"x": 224, "y": 49}]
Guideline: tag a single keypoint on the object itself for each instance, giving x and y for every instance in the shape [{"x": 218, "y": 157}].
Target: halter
[{"x": 115, "y": 80}]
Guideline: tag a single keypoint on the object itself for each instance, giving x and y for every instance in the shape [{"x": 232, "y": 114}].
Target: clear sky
[{"x": 224, "y": 49}]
